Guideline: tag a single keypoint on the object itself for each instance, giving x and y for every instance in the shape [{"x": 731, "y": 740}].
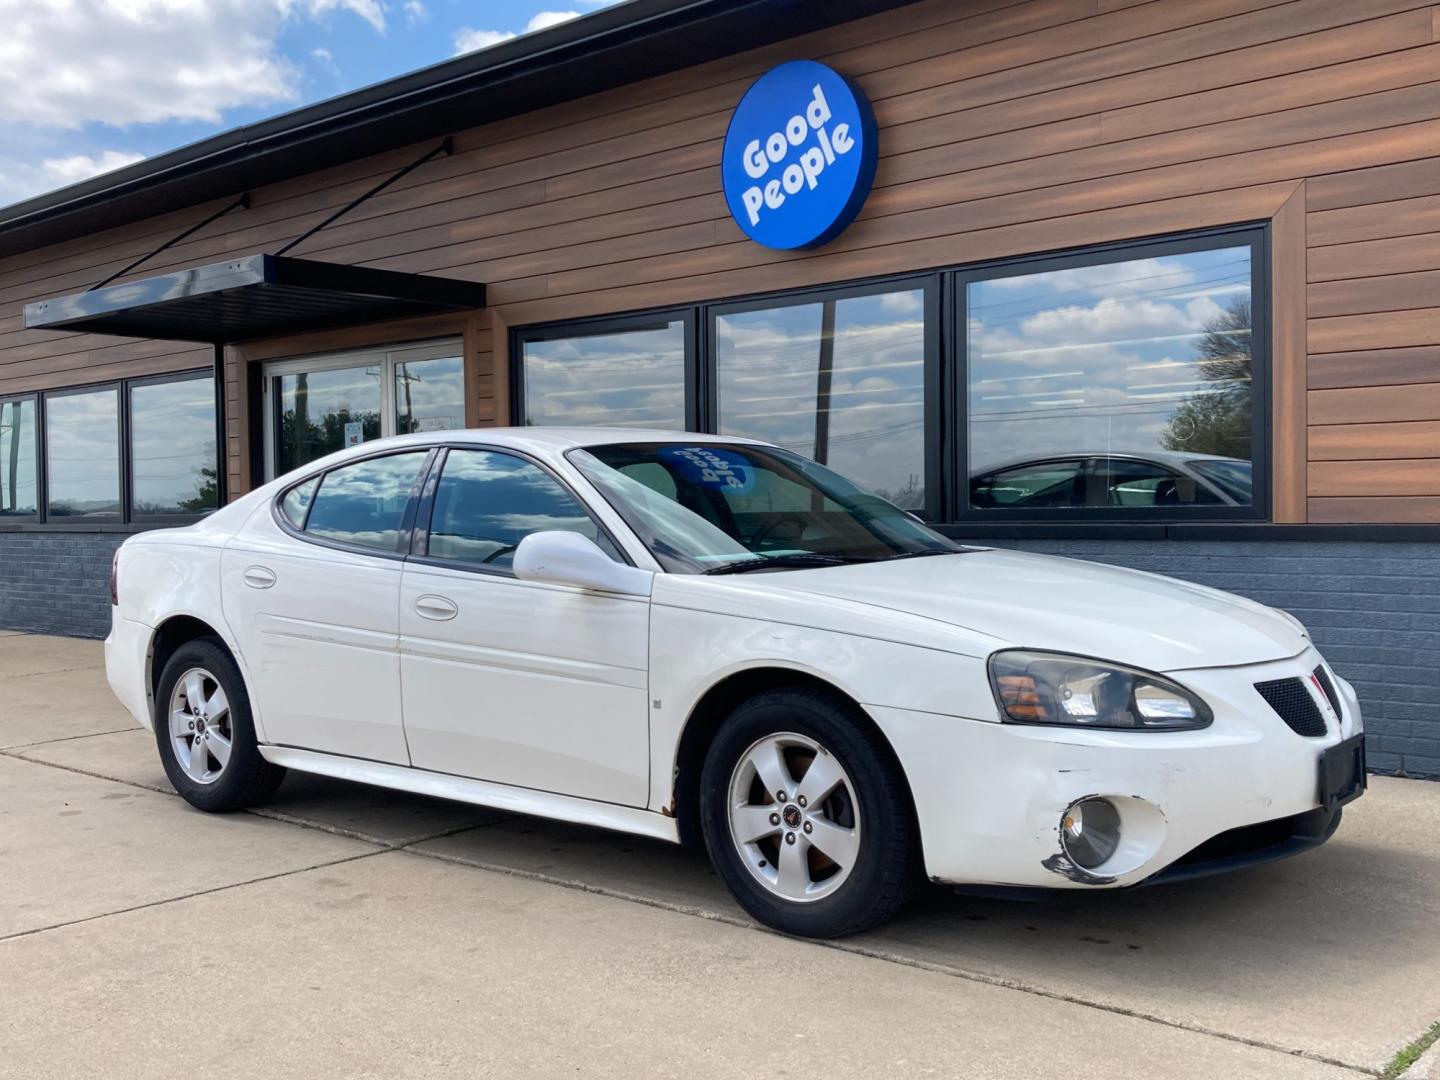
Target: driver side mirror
[{"x": 568, "y": 558}]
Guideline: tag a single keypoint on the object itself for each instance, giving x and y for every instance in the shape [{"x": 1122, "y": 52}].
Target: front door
[
  {"x": 518, "y": 682},
  {"x": 312, "y": 604}
]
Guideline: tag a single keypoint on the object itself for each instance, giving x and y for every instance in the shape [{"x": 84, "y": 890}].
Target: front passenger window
[
  {"x": 364, "y": 503},
  {"x": 487, "y": 502}
]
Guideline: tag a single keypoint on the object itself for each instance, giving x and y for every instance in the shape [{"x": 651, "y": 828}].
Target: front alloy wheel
[
  {"x": 806, "y": 814},
  {"x": 793, "y": 817}
]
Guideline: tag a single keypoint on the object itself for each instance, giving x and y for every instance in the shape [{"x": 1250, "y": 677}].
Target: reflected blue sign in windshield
[{"x": 799, "y": 156}]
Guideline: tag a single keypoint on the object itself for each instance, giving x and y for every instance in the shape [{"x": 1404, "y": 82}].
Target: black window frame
[
  {"x": 128, "y": 449},
  {"x": 947, "y": 372},
  {"x": 127, "y": 520},
  {"x": 38, "y": 447},
  {"x": 1258, "y": 240}
]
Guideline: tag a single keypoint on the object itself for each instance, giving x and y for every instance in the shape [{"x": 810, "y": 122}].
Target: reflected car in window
[
  {"x": 718, "y": 641},
  {"x": 1156, "y": 479}
]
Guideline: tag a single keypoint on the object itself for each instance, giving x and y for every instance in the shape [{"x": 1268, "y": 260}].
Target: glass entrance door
[{"x": 317, "y": 405}]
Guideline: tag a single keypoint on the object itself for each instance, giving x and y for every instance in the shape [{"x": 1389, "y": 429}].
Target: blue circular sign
[{"x": 799, "y": 156}]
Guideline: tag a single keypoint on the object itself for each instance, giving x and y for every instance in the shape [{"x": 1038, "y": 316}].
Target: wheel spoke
[
  {"x": 792, "y": 875},
  {"x": 835, "y": 843},
  {"x": 180, "y": 722},
  {"x": 218, "y": 706},
  {"x": 769, "y": 762},
  {"x": 199, "y": 759},
  {"x": 751, "y": 823},
  {"x": 220, "y": 748},
  {"x": 195, "y": 690},
  {"x": 820, "y": 779}
]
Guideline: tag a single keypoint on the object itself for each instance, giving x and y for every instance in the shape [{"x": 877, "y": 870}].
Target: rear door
[
  {"x": 311, "y": 593},
  {"x": 519, "y": 682}
]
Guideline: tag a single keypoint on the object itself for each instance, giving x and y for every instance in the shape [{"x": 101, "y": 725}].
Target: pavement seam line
[
  {"x": 191, "y": 895},
  {"x": 69, "y": 738},
  {"x": 887, "y": 957},
  {"x": 56, "y": 671},
  {"x": 1412, "y": 1052}
]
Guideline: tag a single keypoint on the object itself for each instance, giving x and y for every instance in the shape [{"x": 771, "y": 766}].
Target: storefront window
[
  {"x": 327, "y": 403},
  {"x": 1123, "y": 384},
  {"x": 429, "y": 395},
  {"x": 18, "y": 492},
  {"x": 840, "y": 380},
  {"x": 630, "y": 375},
  {"x": 172, "y": 447},
  {"x": 82, "y": 454}
]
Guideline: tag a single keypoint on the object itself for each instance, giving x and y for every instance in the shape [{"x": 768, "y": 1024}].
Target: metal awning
[{"x": 252, "y": 297}]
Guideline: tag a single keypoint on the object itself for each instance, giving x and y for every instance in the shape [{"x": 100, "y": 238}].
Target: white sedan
[{"x": 714, "y": 640}]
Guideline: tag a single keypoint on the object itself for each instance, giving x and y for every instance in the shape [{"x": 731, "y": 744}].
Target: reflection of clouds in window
[
  {"x": 17, "y": 457},
  {"x": 172, "y": 438},
  {"x": 365, "y": 503},
  {"x": 82, "y": 454},
  {"x": 633, "y": 378},
  {"x": 315, "y": 406},
  {"x": 429, "y": 395},
  {"x": 486, "y": 503},
  {"x": 1137, "y": 356},
  {"x": 772, "y": 388}
]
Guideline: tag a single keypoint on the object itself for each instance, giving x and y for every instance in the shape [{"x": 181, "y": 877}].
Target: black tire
[
  {"x": 886, "y": 868},
  {"x": 247, "y": 778}
]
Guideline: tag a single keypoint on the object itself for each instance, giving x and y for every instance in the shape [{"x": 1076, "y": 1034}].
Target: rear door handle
[
  {"x": 259, "y": 577},
  {"x": 435, "y": 607}
]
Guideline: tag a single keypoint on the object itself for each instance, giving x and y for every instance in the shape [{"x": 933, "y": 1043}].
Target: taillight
[{"x": 114, "y": 576}]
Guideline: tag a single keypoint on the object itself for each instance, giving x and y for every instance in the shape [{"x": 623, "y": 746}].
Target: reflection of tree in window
[{"x": 1215, "y": 418}]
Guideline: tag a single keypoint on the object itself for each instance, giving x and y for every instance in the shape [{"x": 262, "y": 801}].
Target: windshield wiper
[
  {"x": 795, "y": 561},
  {"x": 918, "y": 554}
]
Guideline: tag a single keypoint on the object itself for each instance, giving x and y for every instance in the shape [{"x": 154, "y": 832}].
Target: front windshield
[
  {"x": 707, "y": 508},
  {"x": 1230, "y": 475}
]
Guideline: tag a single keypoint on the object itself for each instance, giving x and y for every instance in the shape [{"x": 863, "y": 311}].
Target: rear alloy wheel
[
  {"x": 806, "y": 815},
  {"x": 204, "y": 732}
]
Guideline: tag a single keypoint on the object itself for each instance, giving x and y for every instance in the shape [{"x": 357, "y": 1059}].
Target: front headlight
[{"x": 1055, "y": 688}]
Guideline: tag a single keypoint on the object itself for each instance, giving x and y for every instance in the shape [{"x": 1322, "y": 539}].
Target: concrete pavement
[{"x": 343, "y": 931}]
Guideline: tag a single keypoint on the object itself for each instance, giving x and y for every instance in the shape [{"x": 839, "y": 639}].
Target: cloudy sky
[{"x": 91, "y": 85}]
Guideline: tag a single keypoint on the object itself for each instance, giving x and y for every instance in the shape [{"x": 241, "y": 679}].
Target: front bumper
[{"x": 990, "y": 796}]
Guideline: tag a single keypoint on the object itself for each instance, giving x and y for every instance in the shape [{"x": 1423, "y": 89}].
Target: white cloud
[
  {"x": 415, "y": 12},
  {"x": 545, "y": 19},
  {"x": 65, "y": 64},
  {"x": 1106, "y": 279},
  {"x": 72, "y": 170},
  {"x": 468, "y": 40}
]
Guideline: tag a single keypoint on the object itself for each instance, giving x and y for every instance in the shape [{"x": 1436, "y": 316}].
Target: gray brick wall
[
  {"x": 56, "y": 583},
  {"x": 1373, "y": 608}
]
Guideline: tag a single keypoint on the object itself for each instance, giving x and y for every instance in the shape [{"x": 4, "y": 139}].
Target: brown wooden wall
[{"x": 1006, "y": 128}]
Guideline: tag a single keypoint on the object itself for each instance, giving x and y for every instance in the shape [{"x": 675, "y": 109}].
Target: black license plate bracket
[{"x": 1342, "y": 773}]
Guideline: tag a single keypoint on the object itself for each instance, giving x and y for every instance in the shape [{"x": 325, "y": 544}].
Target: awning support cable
[
  {"x": 445, "y": 149},
  {"x": 242, "y": 202}
]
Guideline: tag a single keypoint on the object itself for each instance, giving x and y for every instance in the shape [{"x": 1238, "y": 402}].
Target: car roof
[{"x": 1176, "y": 458}]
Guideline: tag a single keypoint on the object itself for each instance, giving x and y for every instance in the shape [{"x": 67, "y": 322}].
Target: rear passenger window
[
  {"x": 364, "y": 503},
  {"x": 297, "y": 501},
  {"x": 487, "y": 502}
]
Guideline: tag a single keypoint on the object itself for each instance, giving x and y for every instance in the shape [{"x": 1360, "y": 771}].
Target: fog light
[{"x": 1090, "y": 832}]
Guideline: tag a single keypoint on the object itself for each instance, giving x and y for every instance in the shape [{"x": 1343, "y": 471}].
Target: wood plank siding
[{"x": 1007, "y": 128}]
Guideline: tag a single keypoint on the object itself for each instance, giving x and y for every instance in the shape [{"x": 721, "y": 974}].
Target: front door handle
[
  {"x": 435, "y": 607},
  {"x": 259, "y": 577}
]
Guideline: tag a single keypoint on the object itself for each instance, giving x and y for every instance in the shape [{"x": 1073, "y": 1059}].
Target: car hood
[{"x": 1065, "y": 605}]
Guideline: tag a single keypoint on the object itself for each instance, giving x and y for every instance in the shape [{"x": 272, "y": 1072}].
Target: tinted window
[
  {"x": 172, "y": 439},
  {"x": 82, "y": 454},
  {"x": 17, "y": 458},
  {"x": 632, "y": 378},
  {"x": 325, "y": 411},
  {"x": 841, "y": 381},
  {"x": 1149, "y": 357},
  {"x": 365, "y": 503},
  {"x": 1040, "y": 483},
  {"x": 297, "y": 501},
  {"x": 486, "y": 503}
]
